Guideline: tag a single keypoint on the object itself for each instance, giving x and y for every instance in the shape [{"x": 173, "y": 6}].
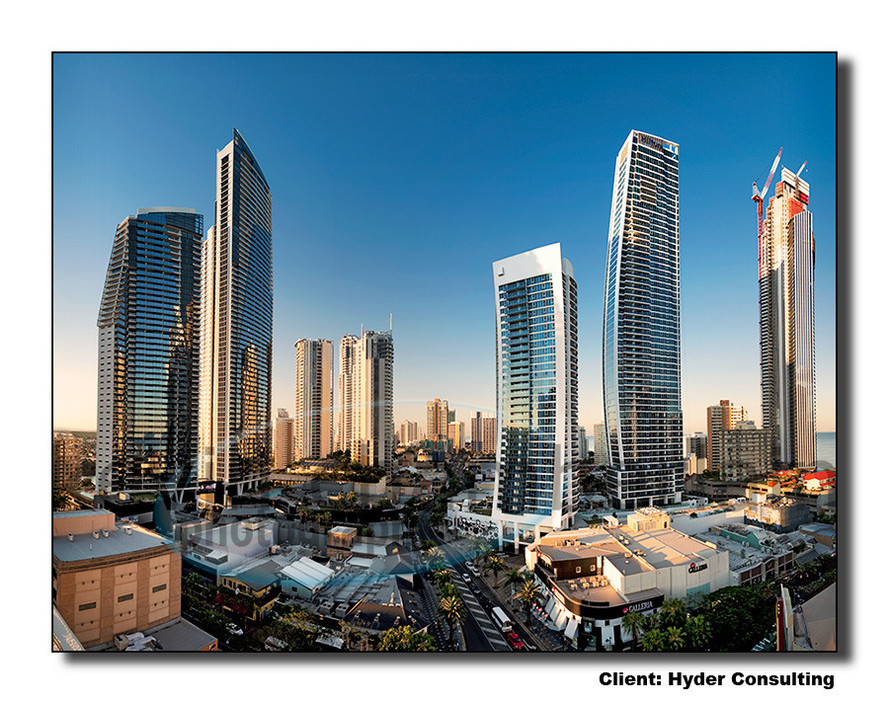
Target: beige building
[
  {"x": 489, "y": 436},
  {"x": 725, "y": 416},
  {"x": 367, "y": 428},
  {"x": 437, "y": 422},
  {"x": 283, "y": 439},
  {"x": 457, "y": 434},
  {"x": 743, "y": 452},
  {"x": 112, "y": 579},
  {"x": 66, "y": 457},
  {"x": 410, "y": 432},
  {"x": 313, "y": 424}
]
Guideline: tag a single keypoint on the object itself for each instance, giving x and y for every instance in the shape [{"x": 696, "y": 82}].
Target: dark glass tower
[
  {"x": 236, "y": 339},
  {"x": 641, "y": 354},
  {"x": 147, "y": 430}
]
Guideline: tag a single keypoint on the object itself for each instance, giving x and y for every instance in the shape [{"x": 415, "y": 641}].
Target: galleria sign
[
  {"x": 692, "y": 568},
  {"x": 640, "y": 606}
]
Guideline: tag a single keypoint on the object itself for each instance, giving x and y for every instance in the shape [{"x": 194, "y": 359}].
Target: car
[
  {"x": 466, "y": 578},
  {"x": 234, "y": 630},
  {"x": 514, "y": 640}
]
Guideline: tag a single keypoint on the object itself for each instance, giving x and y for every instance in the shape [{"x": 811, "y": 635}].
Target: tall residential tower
[
  {"x": 314, "y": 399},
  {"x": 787, "y": 323},
  {"x": 536, "y": 366},
  {"x": 236, "y": 335},
  {"x": 641, "y": 358},
  {"x": 147, "y": 427},
  {"x": 367, "y": 429}
]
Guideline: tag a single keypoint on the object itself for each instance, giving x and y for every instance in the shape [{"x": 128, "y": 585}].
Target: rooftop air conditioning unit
[
  {"x": 70, "y": 537},
  {"x": 96, "y": 534}
]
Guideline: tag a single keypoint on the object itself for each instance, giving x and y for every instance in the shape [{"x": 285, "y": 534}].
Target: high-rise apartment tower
[
  {"x": 313, "y": 425},
  {"x": 149, "y": 324},
  {"x": 365, "y": 385},
  {"x": 236, "y": 320},
  {"x": 536, "y": 366},
  {"x": 787, "y": 323},
  {"x": 641, "y": 354}
]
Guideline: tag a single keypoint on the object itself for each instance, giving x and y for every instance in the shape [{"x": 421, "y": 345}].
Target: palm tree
[
  {"x": 528, "y": 593},
  {"x": 633, "y": 620},
  {"x": 654, "y": 640},
  {"x": 451, "y": 609},
  {"x": 675, "y": 638},
  {"x": 405, "y": 639},
  {"x": 513, "y": 577},
  {"x": 494, "y": 564},
  {"x": 672, "y": 613},
  {"x": 697, "y": 633},
  {"x": 436, "y": 557},
  {"x": 441, "y": 578}
]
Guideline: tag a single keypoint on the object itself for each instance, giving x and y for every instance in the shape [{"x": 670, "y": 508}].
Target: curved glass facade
[
  {"x": 147, "y": 430},
  {"x": 641, "y": 346},
  {"x": 237, "y": 345}
]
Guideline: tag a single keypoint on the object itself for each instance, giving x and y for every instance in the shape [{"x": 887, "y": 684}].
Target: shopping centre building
[{"x": 593, "y": 577}]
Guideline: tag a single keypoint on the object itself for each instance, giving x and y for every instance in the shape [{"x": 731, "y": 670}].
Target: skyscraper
[
  {"x": 366, "y": 384},
  {"x": 149, "y": 318},
  {"x": 536, "y": 367},
  {"x": 725, "y": 416},
  {"x": 475, "y": 428},
  {"x": 437, "y": 423},
  {"x": 236, "y": 335},
  {"x": 345, "y": 388},
  {"x": 314, "y": 399},
  {"x": 641, "y": 358},
  {"x": 283, "y": 439},
  {"x": 787, "y": 323}
]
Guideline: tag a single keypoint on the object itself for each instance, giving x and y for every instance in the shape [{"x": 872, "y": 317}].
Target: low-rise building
[
  {"x": 112, "y": 578},
  {"x": 595, "y": 576},
  {"x": 754, "y": 554}
]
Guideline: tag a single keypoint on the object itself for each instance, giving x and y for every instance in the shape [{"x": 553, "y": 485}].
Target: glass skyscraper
[
  {"x": 536, "y": 306},
  {"x": 236, "y": 337},
  {"x": 147, "y": 426},
  {"x": 641, "y": 351}
]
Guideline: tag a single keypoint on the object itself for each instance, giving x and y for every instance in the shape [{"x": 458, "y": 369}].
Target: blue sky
[{"x": 397, "y": 179}]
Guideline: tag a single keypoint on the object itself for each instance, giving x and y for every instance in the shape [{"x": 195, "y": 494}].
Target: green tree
[
  {"x": 527, "y": 593},
  {"x": 513, "y": 577},
  {"x": 654, "y": 640},
  {"x": 697, "y": 634},
  {"x": 633, "y": 621},
  {"x": 405, "y": 639},
  {"x": 675, "y": 638},
  {"x": 672, "y": 613},
  {"x": 451, "y": 610},
  {"x": 495, "y": 565}
]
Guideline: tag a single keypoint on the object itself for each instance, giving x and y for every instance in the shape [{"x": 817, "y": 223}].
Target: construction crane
[{"x": 759, "y": 196}]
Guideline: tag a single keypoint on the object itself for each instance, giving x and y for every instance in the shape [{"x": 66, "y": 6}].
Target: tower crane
[{"x": 759, "y": 196}]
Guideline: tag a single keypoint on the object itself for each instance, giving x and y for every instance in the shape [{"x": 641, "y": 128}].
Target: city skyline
[{"x": 529, "y": 194}]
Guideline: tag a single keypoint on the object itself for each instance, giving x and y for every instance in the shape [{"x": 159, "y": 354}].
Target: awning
[
  {"x": 552, "y": 610},
  {"x": 550, "y": 604},
  {"x": 571, "y": 629},
  {"x": 561, "y": 620}
]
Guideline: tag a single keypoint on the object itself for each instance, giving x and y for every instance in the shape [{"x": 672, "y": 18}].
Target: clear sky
[{"x": 397, "y": 179}]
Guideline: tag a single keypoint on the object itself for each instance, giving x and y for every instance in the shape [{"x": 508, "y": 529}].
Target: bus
[{"x": 502, "y": 619}]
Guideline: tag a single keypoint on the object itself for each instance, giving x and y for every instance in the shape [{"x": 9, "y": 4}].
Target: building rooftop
[
  {"x": 180, "y": 635},
  {"x": 116, "y": 542}
]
